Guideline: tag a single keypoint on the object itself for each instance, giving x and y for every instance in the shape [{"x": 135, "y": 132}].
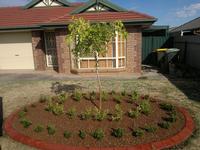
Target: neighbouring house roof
[
  {"x": 30, "y": 17},
  {"x": 191, "y": 25}
]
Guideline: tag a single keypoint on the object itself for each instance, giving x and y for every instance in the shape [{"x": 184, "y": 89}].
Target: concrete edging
[{"x": 180, "y": 137}]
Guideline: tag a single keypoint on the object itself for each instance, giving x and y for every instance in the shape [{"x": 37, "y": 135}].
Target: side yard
[{"x": 17, "y": 93}]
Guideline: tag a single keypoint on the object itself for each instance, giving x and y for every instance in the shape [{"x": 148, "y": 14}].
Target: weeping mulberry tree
[{"x": 92, "y": 39}]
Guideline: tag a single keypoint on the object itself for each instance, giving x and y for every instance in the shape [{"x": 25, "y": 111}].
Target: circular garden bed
[{"x": 125, "y": 120}]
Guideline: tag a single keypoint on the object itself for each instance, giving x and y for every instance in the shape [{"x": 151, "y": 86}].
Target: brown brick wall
[
  {"x": 134, "y": 46},
  {"x": 134, "y": 50},
  {"x": 38, "y": 50},
  {"x": 63, "y": 52}
]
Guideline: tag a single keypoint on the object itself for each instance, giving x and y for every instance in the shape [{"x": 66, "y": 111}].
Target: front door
[{"x": 50, "y": 44}]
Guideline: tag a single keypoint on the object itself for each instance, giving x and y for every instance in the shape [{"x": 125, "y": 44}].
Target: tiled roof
[
  {"x": 17, "y": 17},
  {"x": 193, "y": 24},
  {"x": 129, "y": 16}
]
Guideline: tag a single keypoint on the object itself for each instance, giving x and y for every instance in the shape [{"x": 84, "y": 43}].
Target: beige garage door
[{"x": 16, "y": 51}]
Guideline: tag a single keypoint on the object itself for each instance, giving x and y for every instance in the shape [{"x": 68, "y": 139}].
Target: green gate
[{"x": 152, "y": 39}]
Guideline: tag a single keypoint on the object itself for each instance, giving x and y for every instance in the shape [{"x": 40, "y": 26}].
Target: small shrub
[
  {"x": 39, "y": 128},
  {"x": 51, "y": 129},
  {"x": 167, "y": 107},
  {"x": 150, "y": 128},
  {"x": 82, "y": 134},
  {"x": 67, "y": 134},
  {"x": 164, "y": 125},
  {"x": 104, "y": 96},
  {"x": 49, "y": 106},
  {"x": 44, "y": 98},
  {"x": 62, "y": 98},
  {"x": 134, "y": 113},
  {"x": 100, "y": 115},
  {"x": 134, "y": 96},
  {"x": 21, "y": 114},
  {"x": 145, "y": 107},
  {"x": 138, "y": 133},
  {"x": 77, "y": 96},
  {"x": 87, "y": 114},
  {"x": 98, "y": 134},
  {"x": 93, "y": 96},
  {"x": 118, "y": 133},
  {"x": 58, "y": 109},
  {"x": 26, "y": 123},
  {"x": 71, "y": 112},
  {"x": 117, "y": 98},
  {"x": 123, "y": 93},
  {"x": 118, "y": 114},
  {"x": 172, "y": 118},
  {"x": 55, "y": 108}
]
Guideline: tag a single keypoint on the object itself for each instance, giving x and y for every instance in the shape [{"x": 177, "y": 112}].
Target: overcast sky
[{"x": 168, "y": 12}]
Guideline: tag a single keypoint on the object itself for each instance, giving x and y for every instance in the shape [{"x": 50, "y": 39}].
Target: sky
[{"x": 168, "y": 12}]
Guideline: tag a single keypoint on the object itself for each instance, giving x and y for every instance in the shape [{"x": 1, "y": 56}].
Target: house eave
[{"x": 63, "y": 25}]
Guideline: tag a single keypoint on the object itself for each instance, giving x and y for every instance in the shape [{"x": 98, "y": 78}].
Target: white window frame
[{"x": 116, "y": 58}]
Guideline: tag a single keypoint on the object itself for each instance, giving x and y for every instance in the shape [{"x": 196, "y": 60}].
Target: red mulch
[{"x": 38, "y": 115}]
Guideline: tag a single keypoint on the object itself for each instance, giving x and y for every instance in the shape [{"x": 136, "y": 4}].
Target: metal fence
[{"x": 190, "y": 51}]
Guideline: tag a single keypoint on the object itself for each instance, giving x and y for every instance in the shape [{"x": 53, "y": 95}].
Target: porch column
[
  {"x": 134, "y": 50},
  {"x": 38, "y": 50},
  {"x": 63, "y": 52}
]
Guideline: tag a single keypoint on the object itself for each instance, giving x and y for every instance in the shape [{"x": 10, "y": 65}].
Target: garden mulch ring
[{"x": 39, "y": 116}]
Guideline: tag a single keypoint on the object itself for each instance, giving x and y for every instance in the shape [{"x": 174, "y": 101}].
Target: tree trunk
[{"x": 98, "y": 78}]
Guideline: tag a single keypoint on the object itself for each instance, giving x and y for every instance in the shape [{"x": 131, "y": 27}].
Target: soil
[{"x": 39, "y": 116}]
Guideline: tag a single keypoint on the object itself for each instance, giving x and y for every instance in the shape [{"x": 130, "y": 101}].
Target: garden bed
[{"x": 126, "y": 119}]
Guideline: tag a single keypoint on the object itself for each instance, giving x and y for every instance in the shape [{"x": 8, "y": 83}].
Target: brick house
[{"x": 33, "y": 36}]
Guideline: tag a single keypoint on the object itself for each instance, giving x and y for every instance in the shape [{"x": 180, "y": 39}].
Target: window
[{"x": 114, "y": 58}]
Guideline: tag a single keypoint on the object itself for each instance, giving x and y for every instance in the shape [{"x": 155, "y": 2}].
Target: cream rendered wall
[{"x": 16, "y": 51}]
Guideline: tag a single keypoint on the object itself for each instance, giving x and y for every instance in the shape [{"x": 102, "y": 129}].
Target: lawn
[{"x": 179, "y": 91}]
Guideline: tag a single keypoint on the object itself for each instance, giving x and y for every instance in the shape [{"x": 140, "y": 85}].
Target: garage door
[{"x": 16, "y": 51}]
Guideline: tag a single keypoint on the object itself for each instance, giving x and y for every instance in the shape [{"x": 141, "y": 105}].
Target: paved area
[{"x": 21, "y": 88}]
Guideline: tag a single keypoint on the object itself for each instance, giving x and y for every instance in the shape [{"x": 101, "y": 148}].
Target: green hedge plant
[
  {"x": 98, "y": 134},
  {"x": 77, "y": 96},
  {"x": 51, "y": 129},
  {"x": 138, "y": 132},
  {"x": 82, "y": 134},
  {"x": 25, "y": 122},
  {"x": 118, "y": 133},
  {"x": 71, "y": 112},
  {"x": 39, "y": 128},
  {"x": 118, "y": 113},
  {"x": 134, "y": 113},
  {"x": 100, "y": 115},
  {"x": 67, "y": 134},
  {"x": 145, "y": 107}
]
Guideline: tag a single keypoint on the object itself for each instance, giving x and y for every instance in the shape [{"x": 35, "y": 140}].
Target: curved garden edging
[{"x": 167, "y": 143}]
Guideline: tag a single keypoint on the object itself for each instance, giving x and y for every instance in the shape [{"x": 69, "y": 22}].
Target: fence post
[
  {"x": 1, "y": 116},
  {"x": 185, "y": 52}
]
